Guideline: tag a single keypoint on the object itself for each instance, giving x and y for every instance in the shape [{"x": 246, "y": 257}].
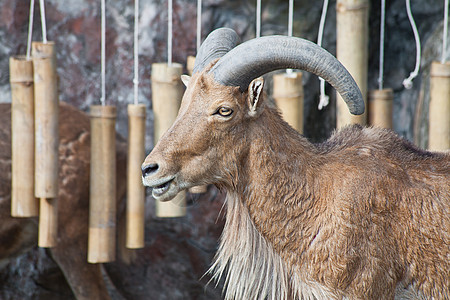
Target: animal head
[{"x": 224, "y": 101}]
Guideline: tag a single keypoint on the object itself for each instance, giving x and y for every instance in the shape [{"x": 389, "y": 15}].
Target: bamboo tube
[
  {"x": 380, "y": 108},
  {"x": 46, "y": 105},
  {"x": 23, "y": 202},
  {"x": 102, "y": 207},
  {"x": 201, "y": 188},
  {"x": 439, "y": 113},
  {"x": 167, "y": 91},
  {"x": 288, "y": 95},
  {"x": 135, "y": 189},
  {"x": 352, "y": 52},
  {"x": 190, "y": 64}
]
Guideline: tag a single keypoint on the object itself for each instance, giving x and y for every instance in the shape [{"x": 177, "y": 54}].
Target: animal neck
[
  {"x": 265, "y": 214},
  {"x": 277, "y": 183}
]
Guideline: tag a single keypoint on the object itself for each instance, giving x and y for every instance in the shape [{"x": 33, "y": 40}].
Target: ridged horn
[
  {"x": 259, "y": 56},
  {"x": 217, "y": 44}
]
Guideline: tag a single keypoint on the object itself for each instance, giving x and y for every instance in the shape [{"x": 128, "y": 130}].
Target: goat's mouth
[{"x": 162, "y": 189}]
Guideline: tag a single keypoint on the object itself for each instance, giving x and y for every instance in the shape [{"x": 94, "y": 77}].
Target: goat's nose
[{"x": 149, "y": 169}]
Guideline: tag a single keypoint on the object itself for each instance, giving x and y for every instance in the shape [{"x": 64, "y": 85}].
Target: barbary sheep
[{"x": 364, "y": 215}]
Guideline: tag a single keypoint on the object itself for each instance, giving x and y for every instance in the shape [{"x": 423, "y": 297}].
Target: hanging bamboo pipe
[
  {"x": 167, "y": 91},
  {"x": 102, "y": 206},
  {"x": 135, "y": 189},
  {"x": 190, "y": 64},
  {"x": 352, "y": 52},
  {"x": 23, "y": 202},
  {"x": 46, "y": 105},
  {"x": 380, "y": 108},
  {"x": 201, "y": 188},
  {"x": 439, "y": 112},
  {"x": 288, "y": 95}
]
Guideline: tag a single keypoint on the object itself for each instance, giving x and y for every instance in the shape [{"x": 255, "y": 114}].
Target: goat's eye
[{"x": 224, "y": 111}]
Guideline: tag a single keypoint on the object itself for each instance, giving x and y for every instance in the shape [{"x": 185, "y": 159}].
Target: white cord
[
  {"x": 136, "y": 51},
  {"x": 323, "y": 99},
  {"x": 444, "y": 38},
  {"x": 199, "y": 23},
  {"x": 103, "y": 50},
  {"x": 258, "y": 18},
  {"x": 169, "y": 33},
  {"x": 44, "y": 26},
  {"x": 407, "y": 83},
  {"x": 290, "y": 26},
  {"x": 30, "y": 29},
  {"x": 381, "y": 62},
  {"x": 291, "y": 17}
]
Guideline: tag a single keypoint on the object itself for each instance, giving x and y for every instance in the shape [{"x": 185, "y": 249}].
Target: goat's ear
[
  {"x": 255, "y": 90},
  {"x": 185, "y": 79}
]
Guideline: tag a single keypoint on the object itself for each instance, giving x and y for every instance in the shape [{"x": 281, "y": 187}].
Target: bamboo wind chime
[
  {"x": 23, "y": 201},
  {"x": 102, "y": 205},
  {"x": 439, "y": 112},
  {"x": 352, "y": 52},
  {"x": 35, "y": 133},
  {"x": 381, "y": 100},
  {"x": 135, "y": 216},
  {"x": 167, "y": 91},
  {"x": 46, "y": 140},
  {"x": 288, "y": 88}
]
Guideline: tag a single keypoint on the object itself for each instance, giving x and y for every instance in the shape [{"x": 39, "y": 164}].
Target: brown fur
[{"x": 364, "y": 215}]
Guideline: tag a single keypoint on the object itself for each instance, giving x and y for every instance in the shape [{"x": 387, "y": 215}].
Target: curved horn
[
  {"x": 256, "y": 57},
  {"x": 217, "y": 44}
]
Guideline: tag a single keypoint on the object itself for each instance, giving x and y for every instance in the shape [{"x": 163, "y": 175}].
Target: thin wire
[
  {"x": 103, "y": 50},
  {"x": 323, "y": 99},
  {"x": 44, "y": 26},
  {"x": 444, "y": 38},
  {"x": 169, "y": 33},
  {"x": 290, "y": 26},
  {"x": 407, "y": 83},
  {"x": 30, "y": 29},
  {"x": 291, "y": 17},
  {"x": 258, "y": 18},
  {"x": 136, "y": 51},
  {"x": 199, "y": 23},
  {"x": 381, "y": 62}
]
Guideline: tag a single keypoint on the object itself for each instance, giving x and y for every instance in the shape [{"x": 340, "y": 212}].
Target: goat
[{"x": 364, "y": 215}]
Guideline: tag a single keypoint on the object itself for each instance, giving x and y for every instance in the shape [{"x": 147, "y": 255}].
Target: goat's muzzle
[{"x": 164, "y": 185}]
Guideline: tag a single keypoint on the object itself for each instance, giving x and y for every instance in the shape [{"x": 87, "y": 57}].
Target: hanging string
[
  {"x": 291, "y": 17},
  {"x": 103, "y": 50},
  {"x": 381, "y": 62},
  {"x": 44, "y": 26},
  {"x": 30, "y": 29},
  {"x": 444, "y": 38},
  {"x": 407, "y": 83},
  {"x": 324, "y": 99},
  {"x": 169, "y": 33},
  {"x": 199, "y": 23},
  {"x": 290, "y": 26},
  {"x": 258, "y": 18},
  {"x": 136, "y": 51}
]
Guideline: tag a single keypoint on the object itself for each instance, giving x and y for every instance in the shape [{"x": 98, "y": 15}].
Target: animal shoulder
[{"x": 372, "y": 140}]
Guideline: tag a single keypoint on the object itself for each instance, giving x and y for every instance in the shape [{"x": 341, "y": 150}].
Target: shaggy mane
[{"x": 252, "y": 269}]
